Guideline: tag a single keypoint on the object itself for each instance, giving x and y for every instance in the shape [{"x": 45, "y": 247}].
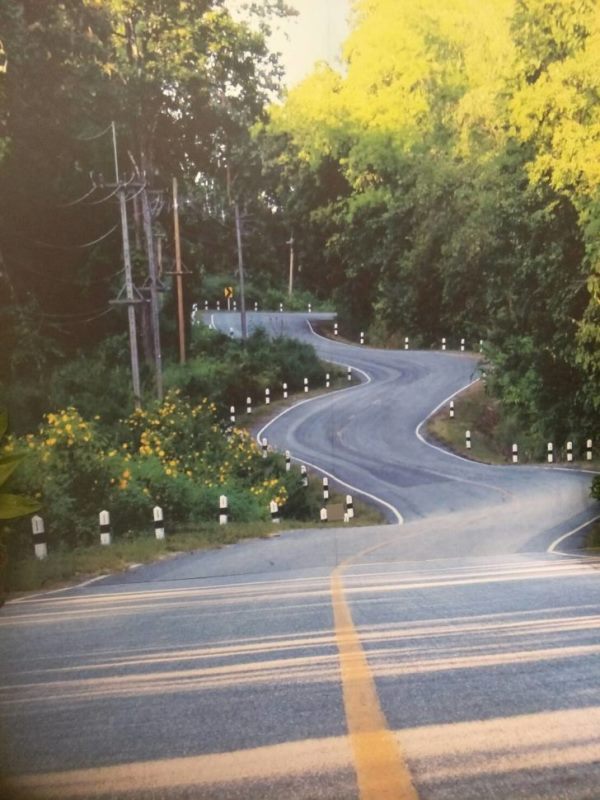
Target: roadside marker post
[
  {"x": 255, "y": 306},
  {"x": 305, "y": 385},
  {"x": 280, "y": 308},
  {"x": 462, "y": 345},
  {"x": 232, "y": 414},
  {"x": 588, "y": 450},
  {"x": 267, "y": 396},
  {"x": 335, "y": 329},
  {"x": 304, "y": 475},
  {"x": 265, "y": 446},
  {"x": 309, "y": 308},
  {"x": 550, "y": 453},
  {"x": 274, "y": 512},
  {"x": 325, "y": 490},
  {"x": 327, "y": 380},
  {"x": 105, "y": 532},
  {"x": 40, "y": 545},
  {"x": 159, "y": 525},
  {"x": 206, "y": 305},
  {"x": 349, "y": 374},
  {"x": 218, "y": 305},
  {"x": 406, "y": 342},
  {"x": 451, "y": 409},
  {"x": 468, "y": 439},
  {"x": 569, "y": 451},
  {"x": 235, "y": 305},
  {"x": 285, "y": 391},
  {"x": 444, "y": 343},
  {"x": 288, "y": 461},
  {"x": 481, "y": 345},
  {"x": 362, "y": 337},
  {"x": 248, "y": 405},
  {"x": 515, "y": 454},
  {"x": 223, "y": 517},
  {"x": 323, "y": 515},
  {"x": 349, "y": 507}
]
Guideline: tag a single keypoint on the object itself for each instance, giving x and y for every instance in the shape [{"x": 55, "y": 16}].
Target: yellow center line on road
[{"x": 380, "y": 767}]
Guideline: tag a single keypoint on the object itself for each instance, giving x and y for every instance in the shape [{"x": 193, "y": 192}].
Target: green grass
[
  {"x": 478, "y": 413},
  {"x": 592, "y": 541},
  {"x": 475, "y": 411}
]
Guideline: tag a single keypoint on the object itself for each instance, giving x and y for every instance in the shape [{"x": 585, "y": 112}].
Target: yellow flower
[{"x": 51, "y": 442}]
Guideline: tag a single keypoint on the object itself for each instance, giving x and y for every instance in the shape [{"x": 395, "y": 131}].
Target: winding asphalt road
[{"x": 454, "y": 655}]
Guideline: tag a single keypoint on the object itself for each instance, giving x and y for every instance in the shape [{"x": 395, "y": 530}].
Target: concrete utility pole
[
  {"x": 291, "y": 280},
  {"x": 178, "y": 274},
  {"x": 153, "y": 292},
  {"x": 130, "y": 300}
]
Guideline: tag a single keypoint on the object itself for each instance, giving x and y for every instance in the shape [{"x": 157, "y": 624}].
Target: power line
[
  {"x": 77, "y": 315},
  {"x": 79, "y": 199},
  {"x": 77, "y": 246},
  {"x": 58, "y": 279},
  {"x": 94, "y": 136}
]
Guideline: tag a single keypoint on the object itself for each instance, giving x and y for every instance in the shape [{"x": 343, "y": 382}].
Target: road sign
[{"x": 228, "y": 292}]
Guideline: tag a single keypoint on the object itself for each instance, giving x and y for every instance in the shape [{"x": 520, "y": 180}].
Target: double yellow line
[{"x": 380, "y": 767}]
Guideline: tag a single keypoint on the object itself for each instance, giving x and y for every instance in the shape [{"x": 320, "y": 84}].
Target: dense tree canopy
[
  {"x": 444, "y": 182},
  {"x": 183, "y": 82},
  {"x": 463, "y": 140}
]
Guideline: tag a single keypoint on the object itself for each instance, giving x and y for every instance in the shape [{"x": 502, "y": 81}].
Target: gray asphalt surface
[{"x": 217, "y": 675}]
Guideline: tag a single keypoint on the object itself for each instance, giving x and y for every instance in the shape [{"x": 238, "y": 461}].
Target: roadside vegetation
[
  {"x": 494, "y": 431},
  {"x": 67, "y": 565}
]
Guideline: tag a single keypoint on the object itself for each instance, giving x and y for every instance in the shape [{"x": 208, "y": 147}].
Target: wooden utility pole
[
  {"x": 154, "y": 310},
  {"x": 178, "y": 274},
  {"x": 130, "y": 300},
  {"x": 238, "y": 232}
]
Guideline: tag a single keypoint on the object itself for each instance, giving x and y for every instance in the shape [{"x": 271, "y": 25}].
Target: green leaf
[
  {"x": 14, "y": 505},
  {"x": 8, "y": 465}
]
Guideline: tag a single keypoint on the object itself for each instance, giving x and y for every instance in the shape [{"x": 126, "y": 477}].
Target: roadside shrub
[
  {"x": 100, "y": 379},
  {"x": 229, "y": 371},
  {"x": 69, "y": 473}
]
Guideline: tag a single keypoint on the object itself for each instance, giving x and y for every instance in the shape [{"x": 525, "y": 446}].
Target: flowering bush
[
  {"x": 68, "y": 473},
  {"x": 174, "y": 454},
  {"x": 179, "y": 456}
]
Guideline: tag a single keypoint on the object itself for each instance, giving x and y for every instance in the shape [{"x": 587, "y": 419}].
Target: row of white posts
[
  {"x": 235, "y": 308},
  {"x": 232, "y": 410},
  {"x": 40, "y": 542},
  {"x": 550, "y": 452},
  {"x": 444, "y": 342},
  {"x": 515, "y": 447}
]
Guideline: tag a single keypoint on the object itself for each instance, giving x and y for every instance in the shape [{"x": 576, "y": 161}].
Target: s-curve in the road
[{"x": 370, "y": 438}]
